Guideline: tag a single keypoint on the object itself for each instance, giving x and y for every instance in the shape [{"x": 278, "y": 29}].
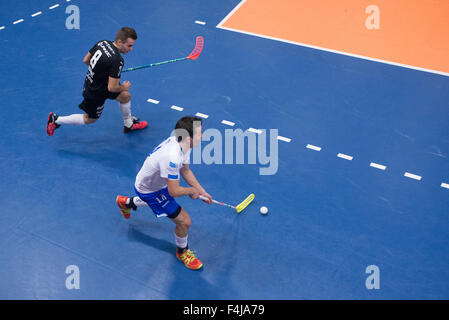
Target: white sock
[
  {"x": 75, "y": 119},
  {"x": 181, "y": 242},
  {"x": 125, "y": 109},
  {"x": 138, "y": 202}
]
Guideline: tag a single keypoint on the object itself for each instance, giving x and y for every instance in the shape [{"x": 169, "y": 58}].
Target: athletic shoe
[
  {"x": 121, "y": 202},
  {"x": 189, "y": 259},
  {"x": 137, "y": 125},
  {"x": 51, "y": 124}
]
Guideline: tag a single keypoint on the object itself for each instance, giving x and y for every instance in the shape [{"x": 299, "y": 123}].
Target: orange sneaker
[
  {"x": 189, "y": 259},
  {"x": 121, "y": 202}
]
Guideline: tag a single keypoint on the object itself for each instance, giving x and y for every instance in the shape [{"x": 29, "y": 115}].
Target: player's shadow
[
  {"x": 206, "y": 283},
  {"x": 134, "y": 234},
  {"x": 216, "y": 279}
]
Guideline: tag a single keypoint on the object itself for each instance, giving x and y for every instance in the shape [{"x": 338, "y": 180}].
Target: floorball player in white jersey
[{"x": 157, "y": 184}]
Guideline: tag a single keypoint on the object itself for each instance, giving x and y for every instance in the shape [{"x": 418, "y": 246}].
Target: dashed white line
[
  {"x": 345, "y": 156},
  {"x": 2, "y": 27},
  {"x": 153, "y": 101},
  {"x": 378, "y": 166},
  {"x": 36, "y": 14},
  {"x": 202, "y": 115},
  {"x": 200, "y": 22},
  {"x": 18, "y": 21},
  {"x": 281, "y": 138},
  {"x": 177, "y": 108},
  {"x": 228, "y": 123},
  {"x": 54, "y": 6},
  {"x": 412, "y": 176},
  {"x": 284, "y": 139},
  {"x": 255, "y": 130},
  {"x": 312, "y": 147}
]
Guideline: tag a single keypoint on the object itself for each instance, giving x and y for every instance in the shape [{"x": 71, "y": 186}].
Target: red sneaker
[
  {"x": 121, "y": 202},
  {"x": 51, "y": 124},
  {"x": 189, "y": 259},
  {"x": 137, "y": 125}
]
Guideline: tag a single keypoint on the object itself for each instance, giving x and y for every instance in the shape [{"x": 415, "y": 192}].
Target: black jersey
[{"x": 106, "y": 61}]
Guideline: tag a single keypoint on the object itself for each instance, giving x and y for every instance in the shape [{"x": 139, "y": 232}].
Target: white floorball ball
[{"x": 263, "y": 210}]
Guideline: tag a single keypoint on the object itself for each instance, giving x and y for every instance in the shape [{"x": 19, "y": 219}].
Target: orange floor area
[{"x": 411, "y": 32}]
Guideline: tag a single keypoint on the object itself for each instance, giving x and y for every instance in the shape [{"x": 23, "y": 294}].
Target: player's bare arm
[
  {"x": 190, "y": 178},
  {"x": 175, "y": 190},
  {"x": 86, "y": 59},
  {"x": 115, "y": 86}
]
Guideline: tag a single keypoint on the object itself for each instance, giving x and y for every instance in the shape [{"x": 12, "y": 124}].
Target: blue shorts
[{"x": 161, "y": 202}]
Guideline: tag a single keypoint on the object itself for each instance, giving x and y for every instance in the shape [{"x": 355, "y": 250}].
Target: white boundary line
[
  {"x": 255, "y": 130},
  {"x": 378, "y": 166},
  {"x": 220, "y": 26},
  {"x": 345, "y": 156},
  {"x": 153, "y": 101},
  {"x": 445, "y": 185},
  {"x": 202, "y": 115},
  {"x": 177, "y": 108},
  {"x": 18, "y": 21},
  {"x": 412, "y": 176},
  {"x": 200, "y": 22},
  {"x": 54, "y": 6},
  {"x": 312, "y": 147},
  {"x": 36, "y": 14},
  {"x": 228, "y": 123},
  {"x": 230, "y": 14},
  {"x": 281, "y": 138}
]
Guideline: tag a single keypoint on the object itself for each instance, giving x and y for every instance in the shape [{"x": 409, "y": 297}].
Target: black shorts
[{"x": 93, "y": 104}]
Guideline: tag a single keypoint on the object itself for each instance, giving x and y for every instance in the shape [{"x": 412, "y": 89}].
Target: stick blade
[
  {"x": 245, "y": 203},
  {"x": 198, "y": 48}
]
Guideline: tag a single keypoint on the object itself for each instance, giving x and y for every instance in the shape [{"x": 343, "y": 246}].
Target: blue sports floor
[{"x": 329, "y": 219}]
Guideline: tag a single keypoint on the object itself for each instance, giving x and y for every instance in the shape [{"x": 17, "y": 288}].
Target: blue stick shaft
[{"x": 152, "y": 64}]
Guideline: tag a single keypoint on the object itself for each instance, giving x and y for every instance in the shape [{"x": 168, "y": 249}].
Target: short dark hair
[
  {"x": 186, "y": 124},
  {"x": 126, "y": 32}
]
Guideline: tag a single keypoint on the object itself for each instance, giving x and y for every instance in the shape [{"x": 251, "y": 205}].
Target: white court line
[
  {"x": 255, "y": 130},
  {"x": 200, "y": 22},
  {"x": 312, "y": 147},
  {"x": 230, "y": 14},
  {"x": 2, "y": 27},
  {"x": 345, "y": 156},
  {"x": 36, "y": 14},
  {"x": 202, "y": 115},
  {"x": 18, "y": 21},
  {"x": 284, "y": 139},
  {"x": 54, "y": 6},
  {"x": 153, "y": 101},
  {"x": 445, "y": 185},
  {"x": 412, "y": 176},
  {"x": 177, "y": 108},
  {"x": 220, "y": 26},
  {"x": 228, "y": 123},
  {"x": 378, "y": 166}
]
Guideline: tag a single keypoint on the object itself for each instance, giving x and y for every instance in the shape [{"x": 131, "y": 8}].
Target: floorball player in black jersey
[{"x": 103, "y": 82}]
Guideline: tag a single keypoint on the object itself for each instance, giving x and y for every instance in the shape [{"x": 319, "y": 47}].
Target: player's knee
[{"x": 186, "y": 222}]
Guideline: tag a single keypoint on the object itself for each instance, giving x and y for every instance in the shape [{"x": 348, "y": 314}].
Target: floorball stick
[
  {"x": 239, "y": 208},
  {"x": 192, "y": 56}
]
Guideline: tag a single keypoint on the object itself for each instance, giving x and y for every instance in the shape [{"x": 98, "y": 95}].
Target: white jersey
[{"x": 165, "y": 162}]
